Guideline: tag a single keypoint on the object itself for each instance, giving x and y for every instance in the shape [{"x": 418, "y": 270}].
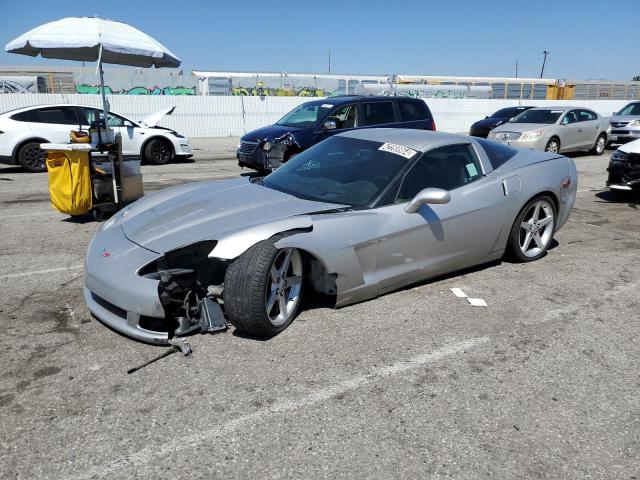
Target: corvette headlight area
[{"x": 530, "y": 136}]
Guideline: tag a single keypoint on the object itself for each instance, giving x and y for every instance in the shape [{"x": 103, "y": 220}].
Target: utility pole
[
  {"x": 329, "y": 61},
  {"x": 544, "y": 60},
  {"x": 516, "y": 68}
]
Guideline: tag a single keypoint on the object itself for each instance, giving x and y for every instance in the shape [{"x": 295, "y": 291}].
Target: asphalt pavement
[{"x": 541, "y": 384}]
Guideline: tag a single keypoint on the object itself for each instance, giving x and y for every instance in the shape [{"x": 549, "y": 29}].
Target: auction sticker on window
[{"x": 398, "y": 150}]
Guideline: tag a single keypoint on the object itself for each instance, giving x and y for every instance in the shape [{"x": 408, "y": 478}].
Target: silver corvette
[{"x": 356, "y": 216}]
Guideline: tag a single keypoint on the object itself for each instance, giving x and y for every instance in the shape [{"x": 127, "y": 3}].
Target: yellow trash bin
[{"x": 69, "y": 178}]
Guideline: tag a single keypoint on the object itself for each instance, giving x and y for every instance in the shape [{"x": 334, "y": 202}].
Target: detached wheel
[
  {"x": 600, "y": 145},
  {"x": 262, "y": 289},
  {"x": 553, "y": 145},
  {"x": 157, "y": 152},
  {"x": 32, "y": 157},
  {"x": 533, "y": 230}
]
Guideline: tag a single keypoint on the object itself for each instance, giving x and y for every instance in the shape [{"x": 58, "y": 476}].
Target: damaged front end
[
  {"x": 190, "y": 288},
  {"x": 624, "y": 171},
  {"x": 274, "y": 152}
]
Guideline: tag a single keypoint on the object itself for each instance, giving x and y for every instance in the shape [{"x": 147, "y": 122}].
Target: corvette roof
[{"x": 422, "y": 140}]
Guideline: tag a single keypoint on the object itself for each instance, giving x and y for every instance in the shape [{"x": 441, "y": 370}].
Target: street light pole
[{"x": 544, "y": 60}]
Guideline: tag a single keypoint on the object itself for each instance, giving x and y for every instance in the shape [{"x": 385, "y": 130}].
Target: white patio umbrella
[{"x": 90, "y": 39}]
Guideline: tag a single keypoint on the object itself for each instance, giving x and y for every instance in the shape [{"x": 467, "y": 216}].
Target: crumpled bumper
[{"x": 114, "y": 292}]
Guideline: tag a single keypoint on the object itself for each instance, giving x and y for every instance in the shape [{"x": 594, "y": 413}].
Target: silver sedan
[
  {"x": 356, "y": 216},
  {"x": 555, "y": 129}
]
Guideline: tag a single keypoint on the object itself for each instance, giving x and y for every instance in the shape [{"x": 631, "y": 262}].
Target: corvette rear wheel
[
  {"x": 533, "y": 230},
  {"x": 262, "y": 288}
]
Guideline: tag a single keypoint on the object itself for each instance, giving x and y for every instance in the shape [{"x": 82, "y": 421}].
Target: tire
[
  {"x": 261, "y": 294},
  {"x": 32, "y": 158},
  {"x": 523, "y": 245},
  {"x": 600, "y": 145},
  {"x": 157, "y": 152},
  {"x": 553, "y": 145}
]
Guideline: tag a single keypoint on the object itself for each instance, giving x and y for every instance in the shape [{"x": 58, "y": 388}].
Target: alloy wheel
[
  {"x": 282, "y": 294},
  {"x": 160, "y": 152},
  {"x": 552, "y": 146},
  {"x": 536, "y": 229},
  {"x": 34, "y": 158},
  {"x": 600, "y": 145}
]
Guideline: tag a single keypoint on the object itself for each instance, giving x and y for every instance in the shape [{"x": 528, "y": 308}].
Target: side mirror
[
  {"x": 614, "y": 113},
  {"x": 425, "y": 196},
  {"x": 330, "y": 125}
]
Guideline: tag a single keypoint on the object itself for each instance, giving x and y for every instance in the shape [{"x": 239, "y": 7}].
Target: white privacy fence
[{"x": 211, "y": 116}]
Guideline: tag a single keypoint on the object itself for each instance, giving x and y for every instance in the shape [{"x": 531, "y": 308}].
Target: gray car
[
  {"x": 625, "y": 124},
  {"x": 555, "y": 129},
  {"x": 356, "y": 216}
]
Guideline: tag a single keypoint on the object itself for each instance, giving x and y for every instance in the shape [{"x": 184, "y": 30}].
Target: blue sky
[{"x": 587, "y": 39}]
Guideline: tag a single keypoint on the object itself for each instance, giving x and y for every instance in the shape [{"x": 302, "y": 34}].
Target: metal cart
[{"x": 92, "y": 177}]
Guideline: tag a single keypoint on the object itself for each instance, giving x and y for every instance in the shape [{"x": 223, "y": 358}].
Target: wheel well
[
  {"x": 166, "y": 141},
  {"x": 17, "y": 148},
  {"x": 317, "y": 275},
  {"x": 549, "y": 194},
  {"x": 556, "y": 138}
]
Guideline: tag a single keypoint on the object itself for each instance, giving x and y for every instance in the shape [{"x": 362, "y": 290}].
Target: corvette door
[{"x": 445, "y": 237}]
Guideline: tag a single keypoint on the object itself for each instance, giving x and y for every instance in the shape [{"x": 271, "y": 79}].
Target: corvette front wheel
[{"x": 262, "y": 289}]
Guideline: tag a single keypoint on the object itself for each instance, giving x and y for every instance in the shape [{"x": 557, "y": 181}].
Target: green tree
[{"x": 636, "y": 78}]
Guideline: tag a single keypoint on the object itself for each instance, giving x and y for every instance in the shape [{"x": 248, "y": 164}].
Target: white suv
[{"x": 24, "y": 129}]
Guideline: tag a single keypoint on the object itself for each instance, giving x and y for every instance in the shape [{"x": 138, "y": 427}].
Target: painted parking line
[
  {"x": 21, "y": 215},
  {"x": 41, "y": 272},
  {"x": 590, "y": 190},
  {"x": 38, "y": 189},
  {"x": 150, "y": 454}
]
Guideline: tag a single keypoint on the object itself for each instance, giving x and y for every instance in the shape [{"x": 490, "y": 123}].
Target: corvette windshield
[
  {"x": 341, "y": 170},
  {"x": 538, "y": 116}
]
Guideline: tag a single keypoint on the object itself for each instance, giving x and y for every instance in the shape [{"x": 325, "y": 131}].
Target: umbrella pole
[{"x": 106, "y": 126}]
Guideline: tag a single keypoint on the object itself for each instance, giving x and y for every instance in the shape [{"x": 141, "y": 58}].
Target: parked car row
[
  {"x": 24, "y": 129},
  {"x": 623, "y": 126}
]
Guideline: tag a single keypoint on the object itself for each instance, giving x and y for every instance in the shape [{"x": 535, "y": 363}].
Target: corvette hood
[{"x": 189, "y": 213}]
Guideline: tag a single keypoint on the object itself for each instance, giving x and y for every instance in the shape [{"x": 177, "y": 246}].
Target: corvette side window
[{"x": 446, "y": 167}]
